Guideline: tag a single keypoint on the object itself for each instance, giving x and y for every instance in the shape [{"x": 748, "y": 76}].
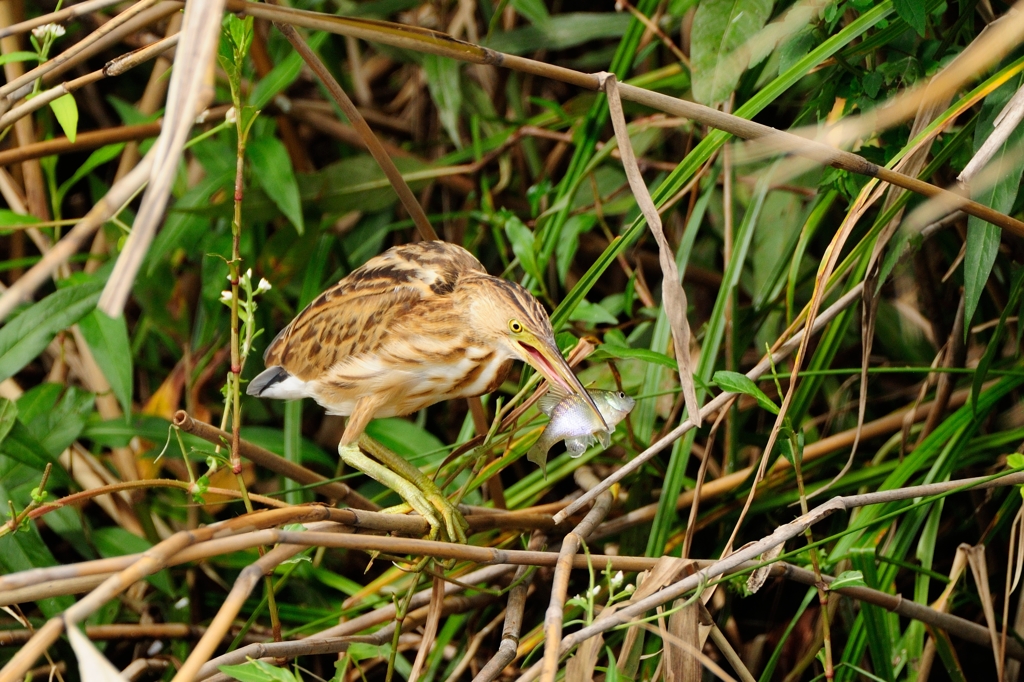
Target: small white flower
[
  {"x": 181, "y": 603},
  {"x": 594, "y": 591},
  {"x": 156, "y": 647},
  {"x": 231, "y": 116},
  {"x": 617, "y": 580},
  {"x": 263, "y": 286},
  {"x": 47, "y": 30},
  {"x": 628, "y": 589},
  {"x": 225, "y": 297}
]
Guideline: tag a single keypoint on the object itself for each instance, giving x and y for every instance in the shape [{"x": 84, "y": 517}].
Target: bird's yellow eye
[{"x": 515, "y": 326}]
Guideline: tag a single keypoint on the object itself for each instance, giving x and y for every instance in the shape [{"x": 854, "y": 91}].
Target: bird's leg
[
  {"x": 454, "y": 522},
  {"x": 352, "y": 456}
]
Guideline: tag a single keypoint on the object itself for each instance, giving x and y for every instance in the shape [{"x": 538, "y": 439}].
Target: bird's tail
[{"x": 265, "y": 381}]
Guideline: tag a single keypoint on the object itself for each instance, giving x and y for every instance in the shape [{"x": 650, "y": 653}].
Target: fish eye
[
  {"x": 515, "y": 326},
  {"x": 621, "y": 395}
]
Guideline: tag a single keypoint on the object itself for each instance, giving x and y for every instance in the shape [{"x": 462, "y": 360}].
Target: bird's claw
[{"x": 455, "y": 525}]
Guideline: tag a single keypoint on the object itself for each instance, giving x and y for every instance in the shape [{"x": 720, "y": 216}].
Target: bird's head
[{"x": 511, "y": 315}]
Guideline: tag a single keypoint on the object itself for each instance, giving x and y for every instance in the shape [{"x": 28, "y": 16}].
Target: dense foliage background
[{"x": 519, "y": 163}]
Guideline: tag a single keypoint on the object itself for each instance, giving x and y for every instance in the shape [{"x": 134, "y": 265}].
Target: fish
[{"x": 573, "y": 421}]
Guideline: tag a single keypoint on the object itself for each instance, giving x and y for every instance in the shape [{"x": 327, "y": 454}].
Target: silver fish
[{"x": 573, "y": 421}]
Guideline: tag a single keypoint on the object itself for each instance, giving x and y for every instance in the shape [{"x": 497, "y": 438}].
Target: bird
[{"x": 418, "y": 324}]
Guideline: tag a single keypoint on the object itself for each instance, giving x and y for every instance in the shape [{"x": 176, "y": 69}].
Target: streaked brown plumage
[{"x": 419, "y": 324}]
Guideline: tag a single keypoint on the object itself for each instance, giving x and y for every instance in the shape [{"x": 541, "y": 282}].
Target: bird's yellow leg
[
  {"x": 352, "y": 456},
  {"x": 454, "y": 522}
]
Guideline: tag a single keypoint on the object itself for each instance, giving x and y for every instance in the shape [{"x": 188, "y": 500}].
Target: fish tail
[{"x": 538, "y": 454}]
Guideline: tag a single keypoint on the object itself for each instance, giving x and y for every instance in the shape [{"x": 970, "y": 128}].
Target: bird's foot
[
  {"x": 416, "y": 498},
  {"x": 454, "y": 522}
]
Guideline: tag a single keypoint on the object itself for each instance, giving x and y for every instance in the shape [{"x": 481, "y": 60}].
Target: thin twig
[
  {"x": 566, "y": 558},
  {"x": 514, "y": 610},
  {"x": 276, "y": 463},
  {"x": 373, "y": 145}
]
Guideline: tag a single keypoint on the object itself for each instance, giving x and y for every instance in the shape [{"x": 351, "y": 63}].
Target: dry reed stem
[
  {"x": 276, "y": 463},
  {"x": 434, "y": 42},
  {"x": 83, "y": 142},
  {"x": 474, "y": 646},
  {"x": 956, "y": 626},
  {"x": 458, "y": 552},
  {"x": 567, "y": 558},
  {"x": 21, "y": 86},
  {"x": 187, "y": 96},
  {"x": 148, "y": 562},
  {"x": 114, "y": 67},
  {"x": 137, "y": 484},
  {"x": 724, "y": 646},
  {"x": 962, "y": 628},
  {"x": 129, "y": 631},
  {"x": 1004, "y": 124},
  {"x": 285, "y": 650},
  {"x": 419, "y": 604},
  {"x": 720, "y": 486},
  {"x": 373, "y": 145},
  {"x": 514, "y": 610},
  {"x": 59, "y": 17},
  {"x": 429, "y": 628},
  {"x": 220, "y": 626},
  {"x": 781, "y": 535},
  {"x": 711, "y": 406},
  {"x": 673, "y": 296}
]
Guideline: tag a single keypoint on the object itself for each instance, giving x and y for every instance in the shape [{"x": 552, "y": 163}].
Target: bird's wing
[{"x": 356, "y": 315}]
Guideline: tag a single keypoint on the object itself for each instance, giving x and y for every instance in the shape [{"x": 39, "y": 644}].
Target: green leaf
[
  {"x": 108, "y": 340},
  {"x": 593, "y": 313},
  {"x": 912, "y": 12},
  {"x": 521, "y": 239},
  {"x": 25, "y": 550},
  {"x": 443, "y": 80},
  {"x": 258, "y": 671},
  {"x": 534, "y": 11},
  {"x": 66, "y": 111},
  {"x": 18, "y": 57},
  {"x": 734, "y": 382},
  {"x": 8, "y": 416},
  {"x": 114, "y": 541},
  {"x": 273, "y": 171},
  {"x": 403, "y": 437},
  {"x": 982, "y": 237},
  {"x": 55, "y": 415},
  {"x": 561, "y": 31},
  {"x": 1015, "y": 461},
  {"x": 848, "y": 579},
  {"x": 617, "y": 352},
  {"x": 995, "y": 343},
  {"x": 21, "y": 446},
  {"x": 97, "y": 158},
  {"x": 721, "y": 51},
  {"x": 25, "y": 337},
  {"x": 283, "y": 75},
  {"x": 569, "y": 241}
]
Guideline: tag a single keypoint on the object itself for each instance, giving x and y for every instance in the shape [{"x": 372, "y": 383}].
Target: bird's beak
[{"x": 543, "y": 355}]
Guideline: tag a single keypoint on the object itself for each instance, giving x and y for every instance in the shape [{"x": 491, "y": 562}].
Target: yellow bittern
[{"x": 419, "y": 324}]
